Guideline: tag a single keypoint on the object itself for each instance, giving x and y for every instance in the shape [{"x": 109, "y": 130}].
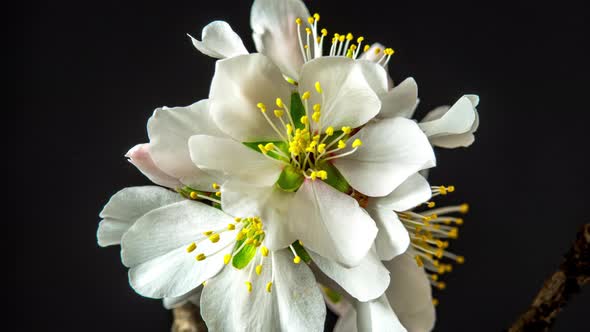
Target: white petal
[
  {"x": 375, "y": 75},
  {"x": 365, "y": 282},
  {"x": 331, "y": 223},
  {"x": 194, "y": 297},
  {"x": 275, "y": 32},
  {"x": 377, "y": 315},
  {"x": 400, "y": 101},
  {"x": 239, "y": 84},
  {"x": 393, "y": 238},
  {"x": 139, "y": 156},
  {"x": 219, "y": 41},
  {"x": 436, "y": 113},
  {"x": 411, "y": 193},
  {"x": 457, "y": 140},
  {"x": 128, "y": 205},
  {"x": 155, "y": 248},
  {"x": 294, "y": 304},
  {"x": 169, "y": 130},
  {"x": 234, "y": 159},
  {"x": 457, "y": 120},
  {"x": 270, "y": 203},
  {"x": 371, "y": 54},
  {"x": 410, "y": 294},
  {"x": 347, "y": 98},
  {"x": 392, "y": 150}
]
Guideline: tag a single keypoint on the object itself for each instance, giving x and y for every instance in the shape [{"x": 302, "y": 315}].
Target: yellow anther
[
  {"x": 453, "y": 233},
  {"x": 349, "y": 36},
  {"x": 300, "y": 242},
  {"x": 240, "y": 236},
  {"x": 194, "y": 195},
  {"x": 349, "y": 53},
  {"x": 201, "y": 257},
  {"x": 442, "y": 190},
  {"x": 310, "y": 20},
  {"x": 204, "y": 283},
  {"x": 434, "y": 277},
  {"x": 207, "y": 233},
  {"x": 321, "y": 148},
  {"x": 322, "y": 175},
  {"x": 341, "y": 144},
  {"x": 353, "y": 47},
  {"x": 305, "y": 95},
  {"x": 336, "y": 35},
  {"x": 269, "y": 146},
  {"x": 262, "y": 107},
  {"x": 451, "y": 189},
  {"x": 262, "y": 148},
  {"x": 237, "y": 219},
  {"x": 264, "y": 251},
  {"x": 464, "y": 208},
  {"x": 316, "y": 116},
  {"x": 419, "y": 261},
  {"x": 191, "y": 247},
  {"x": 389, "y": 51},
  {"x": 214, "y": 238},
  {"x": 218, "y": 194},
  {"x": 279, "y": 103},
  {"x": 248, "y": 286},
  {"x": 269, "y": 286},
  {"x": 441, "y": 285},
  {"x": 330, "y": 131},
  {"x": 459, "y": 221},
  {"x": 297, "y": 260},
  {"x": 308, "y": 31},
  {"x": 341, "y": 38},
  {"x": 298, "y": 21},
  {"x": 324, "y": 32},
  {"x": 289, "y": 129},
  {"x": 215, "y": 186},
  {"x": 258, "y": 269},
  {"x": 346, "y": 130},
  {"x": 313, "y": 175},
  {"x": 226, "y": 259},
  {"x": 377, "y": 50},
  {"x": 304, "y": 120},
  {"x": 448, "y": 268},
  {"x": 360, "y": 39},
  {"x": 357, "y": 142},
  {"x": 318, "y": 87},
  {"x": 431, "y": 204},
  {"x": 316, "y": 16},
  {"x": 460, "y": 259},
  {"x": 367, "y": 47},
  {"x": 231, "y": 227},
  {"x": 317, "y": 107},
  {"x": 435, "y": 302}
]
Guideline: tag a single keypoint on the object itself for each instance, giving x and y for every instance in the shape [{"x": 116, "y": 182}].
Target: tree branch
[{"x": 572, "y": 275}]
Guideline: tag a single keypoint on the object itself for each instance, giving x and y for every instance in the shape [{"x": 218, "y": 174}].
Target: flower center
[
  {"x": 342, "y": 44},
  {"x": 430, "y": 230},
  {"x": 307, "y": 145}
]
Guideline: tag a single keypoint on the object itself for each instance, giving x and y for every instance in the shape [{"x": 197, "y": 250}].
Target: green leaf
[
  {"x": 335, "y": 179},
  {"x": 301, "y": 252},
  {"x": 290, "y": 179},
  {"x": 297, "y": 110},
  {"x": 242, "y": 258},
  {"x": 282, "y": 145}
]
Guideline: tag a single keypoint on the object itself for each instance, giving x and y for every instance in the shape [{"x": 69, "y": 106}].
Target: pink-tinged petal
[{"x": 139, "y": 156}]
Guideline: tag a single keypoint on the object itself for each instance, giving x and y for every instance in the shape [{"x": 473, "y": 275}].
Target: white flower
[
  {"x": 173, "y": 249},
  {"x": 165, "y": 160},
  {"x": 301, "y": 137},
  {"x": 289, "y": 36}
]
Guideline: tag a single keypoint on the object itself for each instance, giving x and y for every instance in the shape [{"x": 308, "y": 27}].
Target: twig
[
  {"x": 187, "y": 318},
  {"x": 573, "y": 273}
]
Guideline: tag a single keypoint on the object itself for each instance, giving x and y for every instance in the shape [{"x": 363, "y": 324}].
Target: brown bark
[
  {"x": 572, "y": 275},
  {"x": 187, "y": 318}
]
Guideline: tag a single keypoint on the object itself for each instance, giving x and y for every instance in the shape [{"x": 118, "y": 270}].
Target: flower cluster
[{"x": 300, "y": 181}]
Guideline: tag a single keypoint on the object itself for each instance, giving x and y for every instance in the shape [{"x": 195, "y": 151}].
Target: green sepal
[
  {"x": 243, "y": 258},
  {"x": 335, "y": 179},
  {"x": 301, "y": 252},
  {"x": 297, "y": 110},
  {"x": 282, "y": 145},
  {"x": 333, "y": 295},
  {"x": 290, "y": 179}
]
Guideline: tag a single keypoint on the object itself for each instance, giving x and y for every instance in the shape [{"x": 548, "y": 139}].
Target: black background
[{"x": 95, "y": 70}]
